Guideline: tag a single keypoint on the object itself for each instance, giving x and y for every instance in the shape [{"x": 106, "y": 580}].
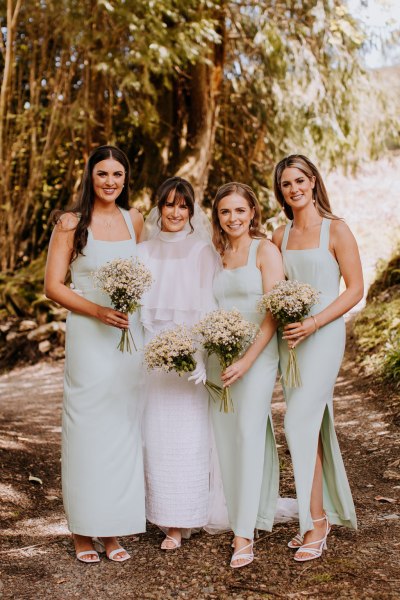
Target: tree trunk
[{"x": 203, "y": 107}]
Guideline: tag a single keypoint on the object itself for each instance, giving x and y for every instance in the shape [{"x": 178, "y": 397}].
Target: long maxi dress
[
  {"x": 310, "y": 407},
  {"x": 245, "y": 438},
  {"x": 176, "y": 425},
  {"x": 102, "y": 463}
]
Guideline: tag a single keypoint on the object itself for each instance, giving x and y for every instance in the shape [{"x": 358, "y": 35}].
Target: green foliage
[
  {"x": 278, "y": 77},
  {"x": 377, "y": 327}
]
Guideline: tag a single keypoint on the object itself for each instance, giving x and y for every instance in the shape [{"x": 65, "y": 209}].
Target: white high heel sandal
[
  {"x": 100, "y": 547},
  {"x": 246, "y": 556},
  {"x": 308, "y": 549}
]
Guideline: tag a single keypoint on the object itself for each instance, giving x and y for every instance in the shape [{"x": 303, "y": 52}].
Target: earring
[{"x": 251, "y": 223}]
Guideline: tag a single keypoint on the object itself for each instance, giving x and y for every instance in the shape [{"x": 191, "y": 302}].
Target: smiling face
[
  {"x": 297, "y": 188},
  {"x": 108, "y": 178},
  {"x": 174, "y": 213},
  {"x": 235, "y": 215}
]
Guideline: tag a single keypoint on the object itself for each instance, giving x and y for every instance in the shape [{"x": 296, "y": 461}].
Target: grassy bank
[{"x": 377, "y": 327}]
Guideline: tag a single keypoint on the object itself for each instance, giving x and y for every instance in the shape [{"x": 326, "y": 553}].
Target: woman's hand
[
  {"x": 295, "y": 333},
  {"x": 235, "y": 371},
  {"x": 112, "y": 317}
]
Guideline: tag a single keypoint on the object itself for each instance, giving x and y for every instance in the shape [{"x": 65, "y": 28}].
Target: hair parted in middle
[
  {"x": 320, "y": 195},
  {"x": 220, "y": 238},
  {"x": 176, "y": 190}
]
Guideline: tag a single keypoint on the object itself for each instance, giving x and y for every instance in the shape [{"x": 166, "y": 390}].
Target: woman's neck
[
  {"x": 306, "y": 218},
  {"x": 100, "y": 207},
  {"x": 237, "y": 244}
]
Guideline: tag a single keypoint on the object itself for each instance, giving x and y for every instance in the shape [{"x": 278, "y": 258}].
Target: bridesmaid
[
  {"x": 245, "y": 438},
  {"x": 317, "y": 248},
  {"x": 102, "y": 471}
]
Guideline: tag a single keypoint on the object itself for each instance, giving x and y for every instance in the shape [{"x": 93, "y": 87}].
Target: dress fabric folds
[
  {"x": 245, "y": 438},
  {"x": 102, "y": 463},
  {"x": 310, "y": 407}
]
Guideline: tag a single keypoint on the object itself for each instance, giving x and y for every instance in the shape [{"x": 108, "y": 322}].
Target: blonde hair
[
  {"x": 220, "y": 238},
  {"x": 320, "y": 195}
]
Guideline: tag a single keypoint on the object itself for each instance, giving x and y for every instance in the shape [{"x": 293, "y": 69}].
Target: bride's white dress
[{"x": 176, "y": 425}]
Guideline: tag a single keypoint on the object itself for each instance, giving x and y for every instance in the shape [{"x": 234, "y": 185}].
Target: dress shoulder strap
[
  {"x": 324, "y": 235},
  {"x": 128, "y": 221},
  {"x": 252, "y": 258},
  {"x": 286, "y": 236}
]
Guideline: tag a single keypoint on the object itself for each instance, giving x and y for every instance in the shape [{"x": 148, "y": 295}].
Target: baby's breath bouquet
[
  {"x": 171, "y": 350},
  {"x": 225, "y": 333},
  {"x": 289, "y": 302},
  {"x": 124, "y": 280}
]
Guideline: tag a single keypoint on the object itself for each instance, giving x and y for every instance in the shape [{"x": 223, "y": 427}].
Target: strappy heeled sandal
[
  {"x": 312, "y": 552},
  {"x": 100, "y": 547},
  {"x": 168, "y": 538},
  {"x": 246, "y": 556},
  {"x": 297, "y": 541},
  {"x": 85, "y": 553}
]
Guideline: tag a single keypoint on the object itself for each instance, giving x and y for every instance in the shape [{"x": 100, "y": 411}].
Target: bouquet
[
  {"x": 289, "y": 302},
  {"x": 226, "y": 334},
  {"x": 171, "y": 350},
  {"x": 124, "y": 280}
]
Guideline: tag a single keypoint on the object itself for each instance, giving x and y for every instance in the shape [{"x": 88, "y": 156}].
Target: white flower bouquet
[
  {"x": 124, "y": 280},
  {"x": 225, "y": 333},
  {"x": 289, "y": 302},
  {"x": 171, "y": 350}
]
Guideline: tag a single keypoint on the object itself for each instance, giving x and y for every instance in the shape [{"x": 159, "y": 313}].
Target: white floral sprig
[
  {"x": 124, "y": 280},
  {"x": 289, "y": 302},
  {"x": 171, "y": 350},
  {"x": 227, "y": 334}
]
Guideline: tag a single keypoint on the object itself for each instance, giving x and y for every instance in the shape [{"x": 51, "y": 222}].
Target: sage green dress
[
  {"x": 245, "y": 439},
  {"x": 102, "y": 463},
  {"x": 310, "y": 407}
]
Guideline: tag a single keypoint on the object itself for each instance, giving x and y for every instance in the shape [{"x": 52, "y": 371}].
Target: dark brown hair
[
  {"x": 183, "y": 192},
  {"x": 320, "y": 195},
  {"x": 83, "y": 207},
  {"x": 220, "y": 238}
]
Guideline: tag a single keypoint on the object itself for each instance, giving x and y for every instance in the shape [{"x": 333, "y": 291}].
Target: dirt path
[{"x": 37, "y": 559}]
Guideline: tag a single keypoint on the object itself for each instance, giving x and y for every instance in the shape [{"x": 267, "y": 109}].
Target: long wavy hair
[
  {"x": 83, "y": 207},
  {"x": 220, "y": 238},
  {"x": 320, "y": 195},
  {"x": 183, "y": 192}
]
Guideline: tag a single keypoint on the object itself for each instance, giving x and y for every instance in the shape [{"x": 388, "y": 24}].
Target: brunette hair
[
  {"x": 320, "y": 195},
  {"x": 182, "y": 192},
  {"x": 83, "y": 207},
  {"x": 220, "y": 238}
]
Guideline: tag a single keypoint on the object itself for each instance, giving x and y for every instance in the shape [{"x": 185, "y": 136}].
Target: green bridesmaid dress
[
  {"x": 310, "y": 407},
  {"x": 244, "y": 438},
  {"x": 102, "y": 463}
]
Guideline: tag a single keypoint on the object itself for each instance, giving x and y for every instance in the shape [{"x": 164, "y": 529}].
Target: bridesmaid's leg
[{"x": 316, "y": 506}]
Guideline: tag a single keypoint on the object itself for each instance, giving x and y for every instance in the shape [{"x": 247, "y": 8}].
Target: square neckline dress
[
  {"x": 102, "y": 464},
  {"x": 310, "y": 407},
  {"x": 245, "y": 438}
]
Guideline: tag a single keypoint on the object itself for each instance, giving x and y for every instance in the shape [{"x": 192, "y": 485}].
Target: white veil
[{"x": 200, "y": 223}]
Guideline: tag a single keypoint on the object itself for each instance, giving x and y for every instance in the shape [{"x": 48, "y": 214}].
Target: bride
[{"x": 176, "y": 424}]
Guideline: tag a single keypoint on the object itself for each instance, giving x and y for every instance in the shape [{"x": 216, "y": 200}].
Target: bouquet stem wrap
[{"x": 289, "y": 302}]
